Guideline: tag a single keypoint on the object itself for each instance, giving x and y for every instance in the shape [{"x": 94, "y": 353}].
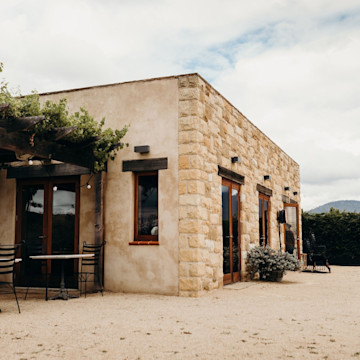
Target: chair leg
[
  {"x": 17, "y": 302},
  {"x": 27, "y": 290},
  {"x": 100, "y": 286},
  {"x": 46, "y": 283}
]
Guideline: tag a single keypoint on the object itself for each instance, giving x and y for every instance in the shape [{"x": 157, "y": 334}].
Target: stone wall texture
[{"x": 211, "y": 131}]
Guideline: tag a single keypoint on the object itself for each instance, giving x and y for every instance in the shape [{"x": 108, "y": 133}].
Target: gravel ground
[{"x": 306, "y": 316}]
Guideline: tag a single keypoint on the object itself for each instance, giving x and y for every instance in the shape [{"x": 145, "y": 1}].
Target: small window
[{"x": 146, "y": 207}]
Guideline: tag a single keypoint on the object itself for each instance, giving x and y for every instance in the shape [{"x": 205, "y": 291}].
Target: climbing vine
[{"x": 106, "y": 142}]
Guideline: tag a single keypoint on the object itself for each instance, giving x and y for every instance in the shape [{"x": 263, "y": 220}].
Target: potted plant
[{"x": 270, "y": 264}]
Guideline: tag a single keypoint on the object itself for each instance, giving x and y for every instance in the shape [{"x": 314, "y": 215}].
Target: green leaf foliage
[
  {"x": 339, "y": 231},
  {"x": 57, "y": 115}
]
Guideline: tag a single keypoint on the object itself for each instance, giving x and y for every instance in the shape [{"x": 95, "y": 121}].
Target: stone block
[
  {"x": 190, "y": 226},
  {"x": 184, "y": 162},
  {"x": 190, "y": 284},
  {"x": 196, "y": 187},
  {"x": 191, "y": 255},
  {"x": 197, "y": 269},
  {"x": 196, "y": 241}
]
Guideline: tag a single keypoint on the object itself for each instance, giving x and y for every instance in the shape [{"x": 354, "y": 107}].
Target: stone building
[{"x": 198, "y": 186}]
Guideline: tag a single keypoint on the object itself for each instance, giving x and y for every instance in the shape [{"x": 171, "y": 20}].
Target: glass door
[
  {"x": 292, "y": 242},
  {"x": 264, "y": 210},
  {"x": 231, "y": 231},
  {"x": 47, "y": 219}
]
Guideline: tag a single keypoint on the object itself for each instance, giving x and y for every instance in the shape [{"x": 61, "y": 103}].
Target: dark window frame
[{"x": 144, "y": 239}]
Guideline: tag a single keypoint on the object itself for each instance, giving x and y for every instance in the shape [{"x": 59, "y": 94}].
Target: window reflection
[{"x": 147, "y": 205}]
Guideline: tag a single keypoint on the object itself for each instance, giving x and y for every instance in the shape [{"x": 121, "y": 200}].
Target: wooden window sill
[{"x": 144, "y": 243}]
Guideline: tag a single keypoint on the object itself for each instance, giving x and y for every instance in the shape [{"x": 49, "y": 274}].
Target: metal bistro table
[{"x": 63, "y": 294}]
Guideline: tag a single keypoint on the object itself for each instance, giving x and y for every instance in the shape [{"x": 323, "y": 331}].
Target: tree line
[{"x": 339, "y": 231}]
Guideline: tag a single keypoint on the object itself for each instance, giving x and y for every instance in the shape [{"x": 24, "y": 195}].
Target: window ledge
[{"x": 144, "y": 243}]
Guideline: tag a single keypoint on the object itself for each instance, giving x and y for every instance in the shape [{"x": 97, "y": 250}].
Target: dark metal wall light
[
  {"x": 236, "y": 159},
  {"x": 267, "y": 177},
  {"x": 286, "y": 188},
  {"x": 142, "y": 149},
  {"x": 295, "y": 193}
]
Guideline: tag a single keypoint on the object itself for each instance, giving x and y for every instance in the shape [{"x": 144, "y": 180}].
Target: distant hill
[{"x": 342, "y": 205}]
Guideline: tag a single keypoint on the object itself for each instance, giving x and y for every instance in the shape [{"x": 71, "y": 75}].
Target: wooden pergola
[
  {"x": 16, "y": 140},
  {"x": 18, "y": 143}
]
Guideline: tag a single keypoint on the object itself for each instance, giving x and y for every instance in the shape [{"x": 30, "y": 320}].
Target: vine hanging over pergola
[{"x": 48, "y": 131}]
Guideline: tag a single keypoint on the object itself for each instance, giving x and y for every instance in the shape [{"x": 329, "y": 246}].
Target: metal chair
[
  {"x": 316, "y": 254},
  {"x": 32, "y": 266},
  {"x": 7, "y": 267},
  {"x": 90, "y": 267}
]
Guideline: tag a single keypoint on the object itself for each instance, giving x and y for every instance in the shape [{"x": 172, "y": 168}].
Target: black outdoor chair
[
  {"x": 35, "y": 268},
  {"x": 90, "y": 267},
  {"x": 316, "y": 254},
  {"x": 7, "y": 267}
]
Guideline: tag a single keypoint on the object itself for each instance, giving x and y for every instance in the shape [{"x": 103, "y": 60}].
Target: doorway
[
  {"x": 47, "y": 215},
  {"x": 264, "y": 211},
  {"x": 292, "y": 228},
  {"x": 230, "y": 192}
]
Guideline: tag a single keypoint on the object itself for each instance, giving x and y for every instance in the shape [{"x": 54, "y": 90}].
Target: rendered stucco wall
[
  {"x": 151, "y": 109},
  {"x": 211, "y": 131}
]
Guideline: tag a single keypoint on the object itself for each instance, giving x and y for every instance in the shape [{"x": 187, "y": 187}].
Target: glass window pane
[
  {"x": 261, "y": 222},
  {"x": 291, "y": 228},
  {"x": 32, "y": 214},
  {"x": 225, "y": 227},
  {"x": 63, "y": 227},
  {"x": 235, "y": 227},
  {"x": 63, "y": 218},
  {"x": 266, "y": 216},
  {"x": 148, "y": 205}
]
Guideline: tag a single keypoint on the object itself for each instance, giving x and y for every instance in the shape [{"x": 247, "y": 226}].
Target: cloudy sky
[{"x": 291, "y": 66}]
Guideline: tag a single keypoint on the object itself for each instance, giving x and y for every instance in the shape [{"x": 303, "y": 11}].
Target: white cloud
[{"x": 290, "y": 66}]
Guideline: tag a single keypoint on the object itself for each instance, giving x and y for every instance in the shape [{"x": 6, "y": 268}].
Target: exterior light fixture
[
  {"x": 286, "y": 188},
  {"x": 267, "y": 177},
  {"x": 30, "y": 162},
  {"x": 88, "y": 186},
  {"x": 55, "y": 188},
  {"x": 295, "y": 193},
  {"x": 142, "y": 149},
  {"x": 236, "y": 159}
]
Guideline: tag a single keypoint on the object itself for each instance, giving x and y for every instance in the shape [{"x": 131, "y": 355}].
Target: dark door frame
[
  {"x": 48, "y": 206},
  {"x": 233, "y": 276}
]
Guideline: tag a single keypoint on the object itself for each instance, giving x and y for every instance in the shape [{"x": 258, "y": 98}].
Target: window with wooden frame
[{"x": 146, "y": 208}]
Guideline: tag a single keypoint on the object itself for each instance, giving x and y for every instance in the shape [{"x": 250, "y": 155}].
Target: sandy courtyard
[{"x": 306, "y": 316}]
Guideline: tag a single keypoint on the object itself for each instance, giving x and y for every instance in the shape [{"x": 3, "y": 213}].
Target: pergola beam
[
  {"x": 21, "y": 143},
  {"x": 20, "y": 124},
  {"x": 59, "y": 133}
]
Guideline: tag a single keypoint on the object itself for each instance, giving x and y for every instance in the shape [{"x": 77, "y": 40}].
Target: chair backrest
[
  {"x": 320, "y": 250},
  {"x": 92, "y": 249},
  {"x": 34, "y": 249},
  {"x": 7, "y": 258}
]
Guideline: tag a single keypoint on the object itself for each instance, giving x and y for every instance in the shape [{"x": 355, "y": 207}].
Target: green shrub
[{"x": 339, "y": 231}]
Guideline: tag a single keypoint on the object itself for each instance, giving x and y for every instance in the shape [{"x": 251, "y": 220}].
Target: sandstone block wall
[{"x": 211, "y": 131}]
